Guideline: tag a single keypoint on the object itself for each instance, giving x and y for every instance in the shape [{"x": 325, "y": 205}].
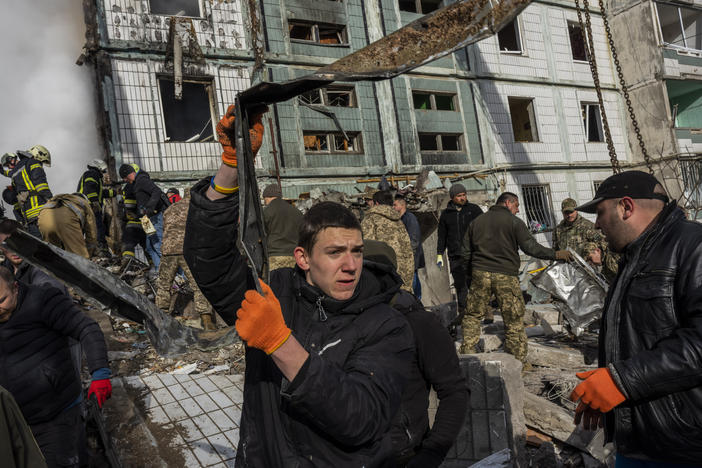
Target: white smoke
[{"x": 46, "y": 98}]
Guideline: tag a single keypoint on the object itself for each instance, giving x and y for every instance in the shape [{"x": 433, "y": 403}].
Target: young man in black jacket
[
  {"x": 647, "y": 391},
  {"x": 326, "y": 357}
]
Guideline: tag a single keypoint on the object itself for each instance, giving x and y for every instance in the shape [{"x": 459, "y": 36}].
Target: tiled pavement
[{"x": 203, "y": 409}]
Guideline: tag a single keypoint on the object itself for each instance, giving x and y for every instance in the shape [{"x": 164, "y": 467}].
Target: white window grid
[{"x": 537, "y": 207}]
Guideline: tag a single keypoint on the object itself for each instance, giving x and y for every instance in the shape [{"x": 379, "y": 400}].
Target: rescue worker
[
  {"x": 173, "y": 195},
  {"x": 174, "y": 219},
  {"x": 151, "y": 202},
  {"x": 67, "y": 221},
  {"x": 574, "y": 231},
  {"x": 606, "y": 265},
  {"x": 647, "y": 390},
  {"x": 326, "y": 357},
  {"x": 383, "y": 223},
  {"x": 132, "y": 233},
  {"x": 453, "y": 224},
  {"x": 415, "y": 235},
  {"x": 37, "y": 369},
  {"x": 282, "y": 223},
  {"x": 91, "y": 185},
  {"x": 29, "y": 181},
  {"x": 9, "y": 196},
  {"x": 492, "y": 246}
]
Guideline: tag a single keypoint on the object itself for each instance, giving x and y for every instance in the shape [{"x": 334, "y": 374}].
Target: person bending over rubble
[
  {"x": 326, "y": 357},
  {"x": 647, "y": 391},
  {"x": 35, "y": 324}
]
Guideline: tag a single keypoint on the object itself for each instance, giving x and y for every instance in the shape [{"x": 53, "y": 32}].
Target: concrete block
[
  {"x": 560, "y": 358},
  {"x": 490, "y": 343},
  {"x": 538, "y": 312}
]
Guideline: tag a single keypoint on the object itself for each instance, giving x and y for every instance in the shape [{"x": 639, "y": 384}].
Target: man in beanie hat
[
  {"x": 453, "y": 224},
  {"x": 647, "y": 390},
  {"x": 282, "y": 222}
]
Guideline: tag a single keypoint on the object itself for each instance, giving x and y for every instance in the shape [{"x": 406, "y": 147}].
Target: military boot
[{"x": 208, "y": 322}]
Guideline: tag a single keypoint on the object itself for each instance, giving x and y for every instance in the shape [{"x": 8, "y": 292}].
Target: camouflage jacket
[
  {"x": 382, "y": 223},
  {"x": 174, "y": 219},
  {"x": 576, "y": 234}
]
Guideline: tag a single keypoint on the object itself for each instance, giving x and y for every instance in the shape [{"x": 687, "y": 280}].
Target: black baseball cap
[{"x": 634, "y": 184}]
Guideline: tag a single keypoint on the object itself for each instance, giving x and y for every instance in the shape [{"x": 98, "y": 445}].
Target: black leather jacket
[{"x": 651, "y": 340}]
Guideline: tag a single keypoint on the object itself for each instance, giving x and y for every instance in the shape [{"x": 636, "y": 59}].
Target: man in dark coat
[
  {"x": 35, "y": 324},
  {"x": 647, "y": 390},
  {"x": 326, "y": 357},
  {"x": 92, "y": 186},
  {"x": 415, "y": 235}
]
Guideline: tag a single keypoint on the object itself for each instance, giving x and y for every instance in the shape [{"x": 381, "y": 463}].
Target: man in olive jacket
[
  {"x": 281, "y": 221},
  {"x": 491, "y": 246}
]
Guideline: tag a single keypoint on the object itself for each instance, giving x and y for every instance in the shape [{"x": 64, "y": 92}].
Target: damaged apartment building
[
  {"x": 519, "y": 107},
  {"x": 661, "y": 59}
]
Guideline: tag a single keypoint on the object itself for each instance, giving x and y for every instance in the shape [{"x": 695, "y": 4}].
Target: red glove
[
  {"x": 226, "y": 133},
  {"x": 102, "y": 390},
  {"x": 598, "y": 390},
  {"x": 260, "y": 320}
]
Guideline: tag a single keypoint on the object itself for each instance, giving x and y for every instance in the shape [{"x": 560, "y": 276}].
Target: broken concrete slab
[
  {"x": 495, "y": 416},
  {"x": 559, "y": 358},
  {"x": 557, "y": 422},
  {"x": 537, "y": 312},
  {"x": 499, "y": 459},
  {"x": 490, "y": 343}
]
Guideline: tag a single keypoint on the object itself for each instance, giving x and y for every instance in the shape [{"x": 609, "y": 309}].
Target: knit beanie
[
  {"x": 456, "y": 189},
  {"x": 272, "y": 190}
]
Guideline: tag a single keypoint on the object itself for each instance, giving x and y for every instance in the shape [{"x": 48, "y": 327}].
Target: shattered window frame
[
  {"x": 529, "y": 108},
  {"x": 162, "y": 6},
  {"x": 316, "y": 31},
  {"x": 538, "y": 207},
  {"x": 432, "y": 95},
  {"x": 679, "y": 24},
  {"x": 422, "y": 7},
  {"x": 577, "y": 48},
  {"x": 206, "y": 133},
  {"x": 502, "y": 38},
  {"x": 691, "y": 177},
  {"x": 438, "y": 139},
  {"x": 332, "y": 142},
  {"x": 321, "y": 96},
  {"x": 590, "y": 111}
]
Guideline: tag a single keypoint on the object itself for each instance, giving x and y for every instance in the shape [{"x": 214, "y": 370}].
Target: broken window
[
  {"x": 443, "y": 142},
  {"x": 685, "y": 97},
  {"x": 523, "y": 119},
  {"x": 592, "y": 122},
  {"x": 508, "y": 38},
  {"x": 680, "y": 26},
  {"x": 419, "y": 6},
  {"x": 327, "y": 34},
  {"x": 691, "y": 175},
  {"x": 188, "y": 119},
  {"x": 577, "y": 42},
  {"x": 176, "y": 7},
  {"x": 332, "y": 142},
  {"x": 537, "y": 205},
  {"x": 425, "y": 100},
  {"x": 333, "y": 96}
]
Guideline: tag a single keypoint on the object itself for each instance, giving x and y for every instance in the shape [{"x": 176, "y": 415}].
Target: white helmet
[
  {"x": 41, "y": 154},
  {"x": 98, "y": 164}
]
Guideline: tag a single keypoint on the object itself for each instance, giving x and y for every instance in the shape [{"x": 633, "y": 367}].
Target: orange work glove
[
  {"x": 227, "y": 136},
  {"x": 598, "y": 390},
  {"x": 260, "y": 320}
]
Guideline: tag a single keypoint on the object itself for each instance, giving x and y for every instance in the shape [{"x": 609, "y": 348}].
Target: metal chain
[
  {"x": 590, "y": 51},
  {"x": 625, "y": 90}
]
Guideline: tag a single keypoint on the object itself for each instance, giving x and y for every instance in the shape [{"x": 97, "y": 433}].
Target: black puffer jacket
[
  {"x": 149, "y": 196},
  {"x": 338, "y": 410},
  {"x": 35, "y": 362},
  {"x": 453, "y": 225},
  {"x": 651, "y": 340}
]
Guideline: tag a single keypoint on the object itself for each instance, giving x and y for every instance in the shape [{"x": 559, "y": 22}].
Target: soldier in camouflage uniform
[
  {"x": 574, "y": 230},
  {"x": 174, "y": 219},
  {"x": 606, "y": 263},
  {"x": 383, "y": 223}
]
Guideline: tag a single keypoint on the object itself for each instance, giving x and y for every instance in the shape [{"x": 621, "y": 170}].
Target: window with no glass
[
  {"x": 320, "y": 33},
  {"x": 592, "y": 122},
  {"x": 680, "y": 26},
  {"x": 320, "y": 142},
  {"x": 188, "y": 119},
  {"x": 429, "y": 100},
  {"x": 419, "y": 6},
  {"x": 333, "y": 96},
  {"x": 523, "y": 119},
  {"x": 176, "y": 7},
  {"x": 508, "y": 38},
  {"x": 442, "y": 142},
  {"x": 577, "y": 42},
  {"x": 536, "y": 200}
]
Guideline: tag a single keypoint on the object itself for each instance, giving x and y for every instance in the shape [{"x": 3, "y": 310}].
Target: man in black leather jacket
[{"x": 647, "y": 391}]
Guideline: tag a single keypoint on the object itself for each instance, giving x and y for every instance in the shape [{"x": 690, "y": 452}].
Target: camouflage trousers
[
  {"x": 511, "y": 304},
  {"x": 167, "y": 273},
  {"x": 280, "y": 261}
]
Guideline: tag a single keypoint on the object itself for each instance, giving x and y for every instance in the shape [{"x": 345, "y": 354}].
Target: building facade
[{"x": 519, "y": 109}]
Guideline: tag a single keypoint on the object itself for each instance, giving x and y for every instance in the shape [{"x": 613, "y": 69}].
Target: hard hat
[
  {"x": 41, "y": 154},
  {"x": 98, "y": 164},
  {"x": 6, "y": 158}
]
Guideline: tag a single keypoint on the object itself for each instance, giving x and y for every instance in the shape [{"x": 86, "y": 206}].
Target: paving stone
[
  {"x": 158, "y": 416},
  {"x": 192, "y": 388},
  {"x": 206, "y": 425},
  {"x": 178, "y": 391},
  {"x": 191, "y": 407},
  {"x": 174, "y": 411},
  {"x": 223, "y": 446},
  {"x": 207, "y": 385},
  {"x": 234, "y": 394},
  {"x": 234, "y": 413},
  {"x": 150, "y": 402},
  {"x": 189, "y": 430},
  {"x": 163, "y": 396},
  {"x": 206, "y": 403},
  {"x": 221, "y": 381},
  {"x": 182, "y": 377},
  {"x": 233, "y": 437},
  {"x": 221, "y": 399},
  {"x": 134, "y": 382},
  {"x": 167, "y": 379},
  {"x": 204, "y": 452},
  {"x": 222, "y": 421},
  {"x": 152, "y": 381}
]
